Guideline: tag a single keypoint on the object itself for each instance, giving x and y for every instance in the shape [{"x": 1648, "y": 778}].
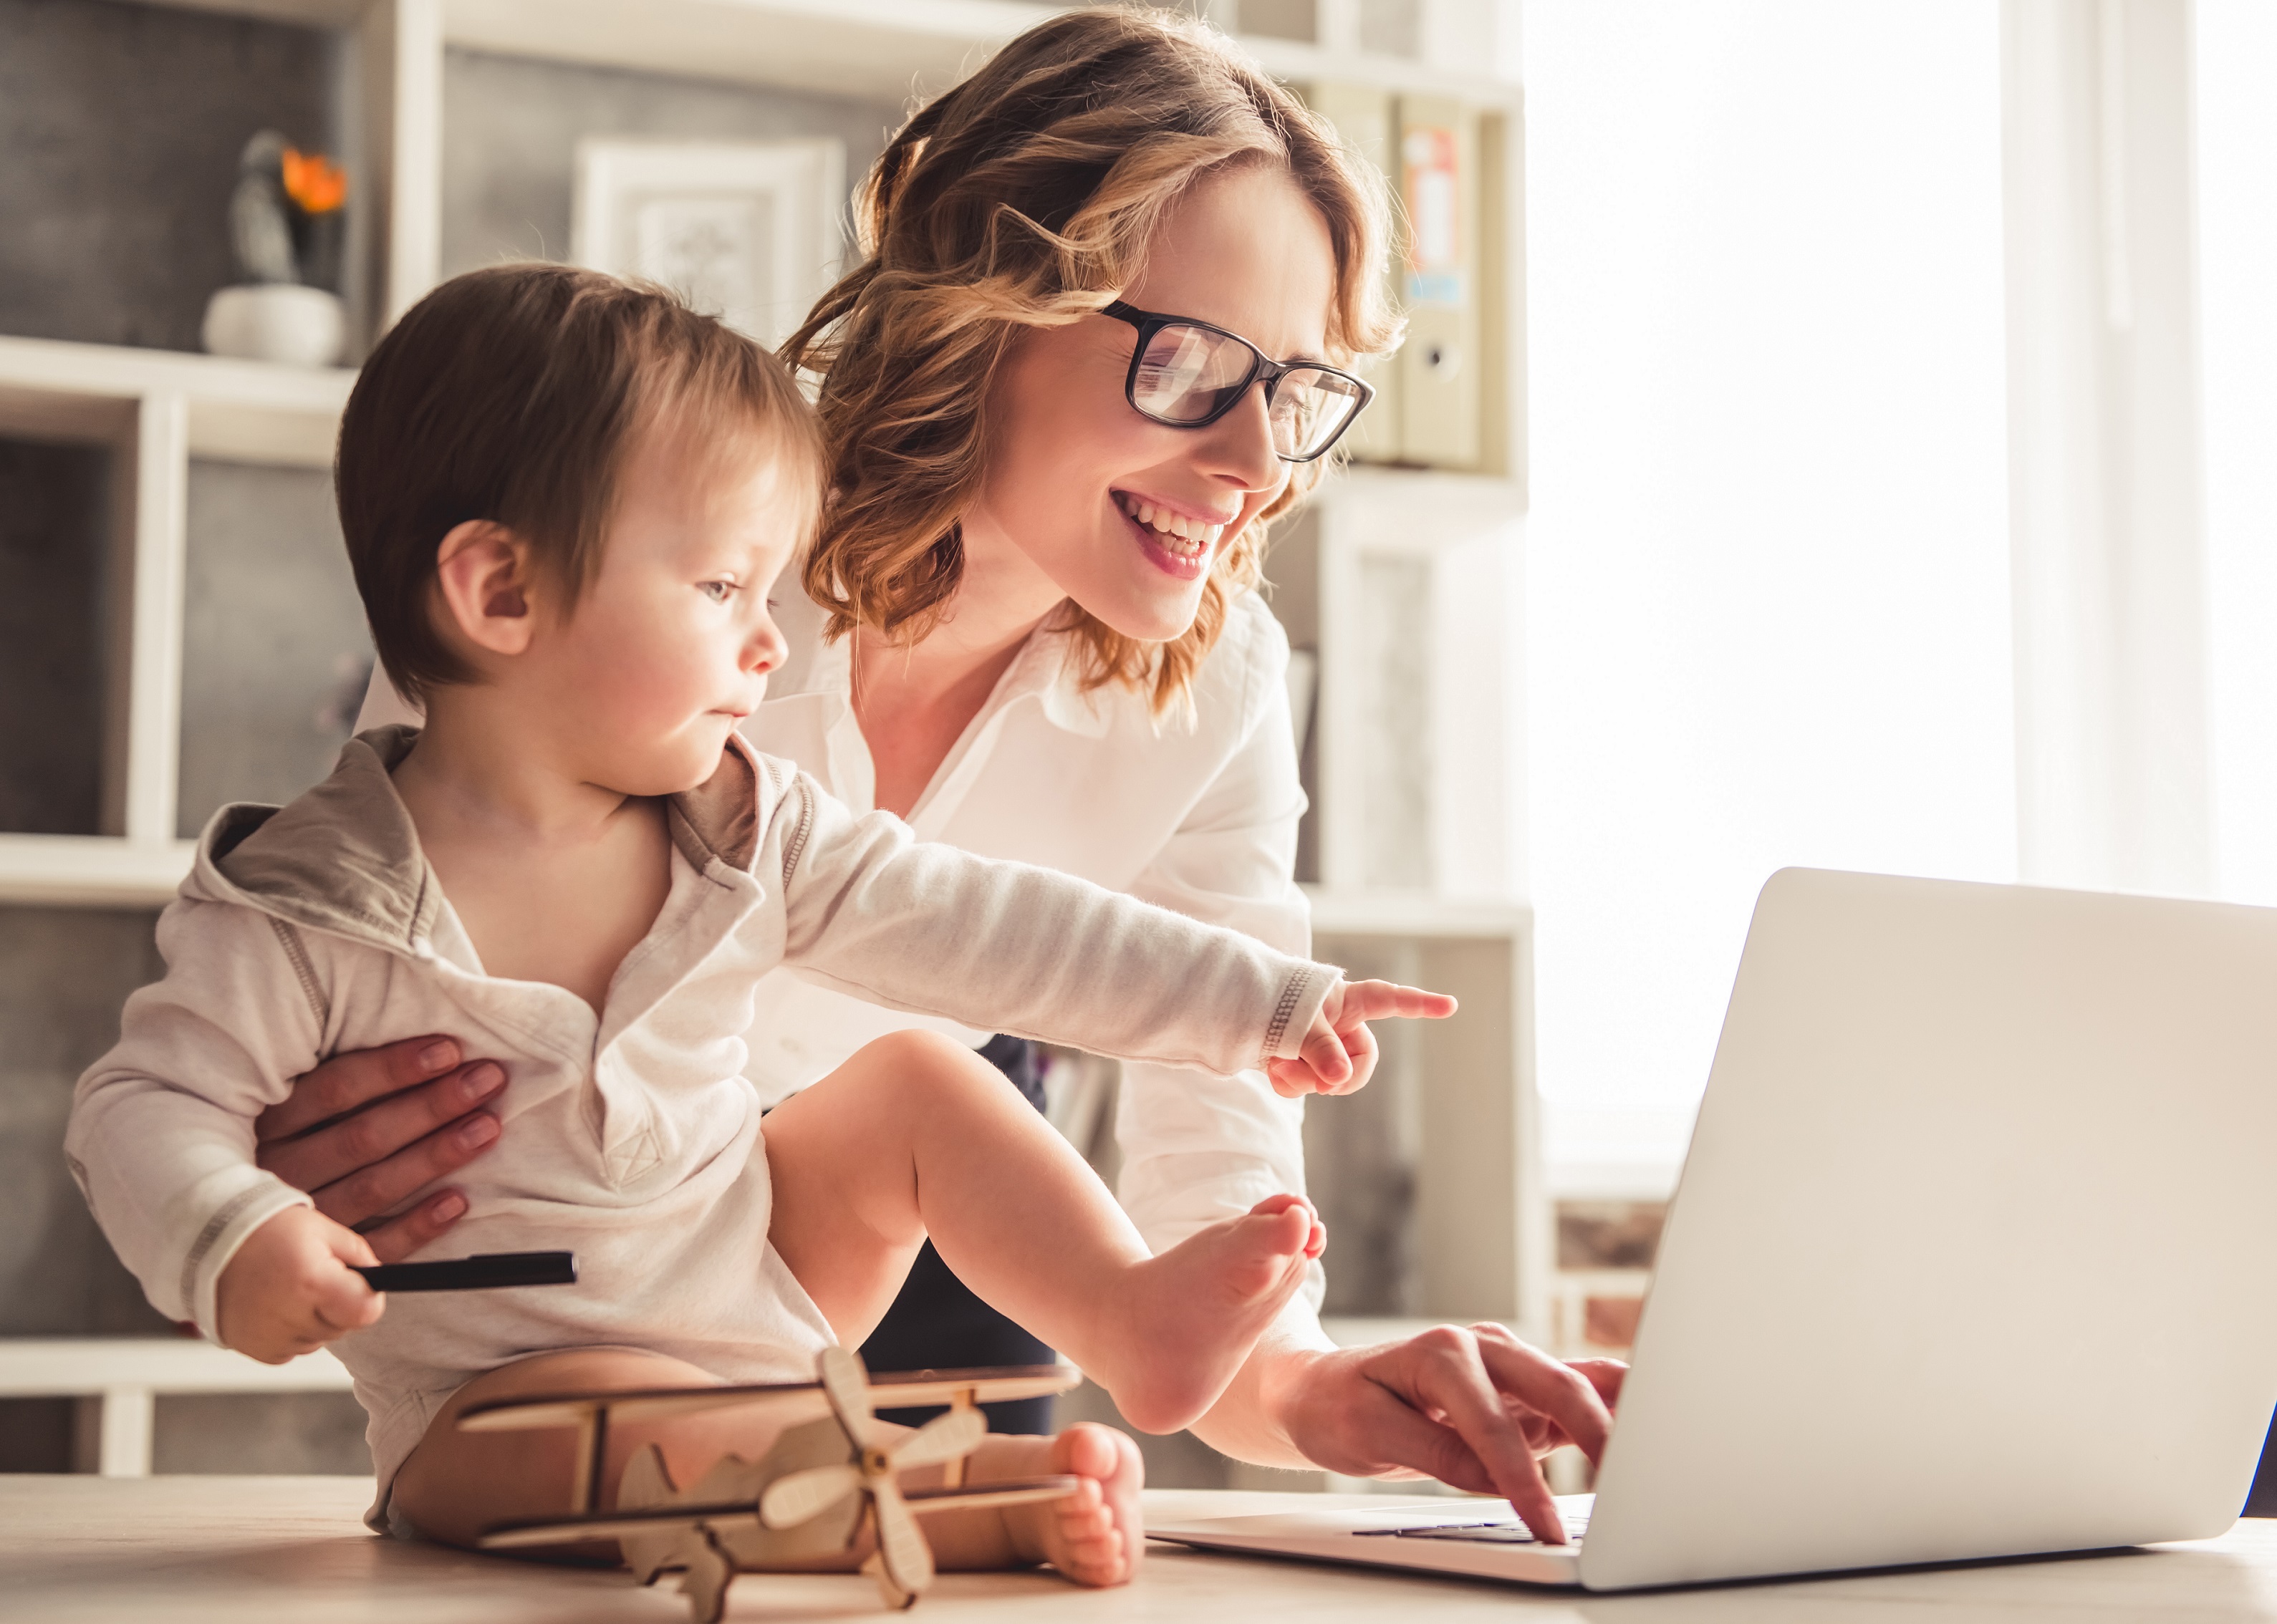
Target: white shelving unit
[
  {"x": 155, "y": 410},
  {"x": 1483, "y": 1217},
  {"x": 120, "y": 1379}
]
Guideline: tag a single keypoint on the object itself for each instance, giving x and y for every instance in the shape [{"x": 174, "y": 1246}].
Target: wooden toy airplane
[{"x": 831, "y": 1470}]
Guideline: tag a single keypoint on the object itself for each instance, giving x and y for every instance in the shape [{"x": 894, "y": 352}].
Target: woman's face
[{"x": 1072, "y": 466}]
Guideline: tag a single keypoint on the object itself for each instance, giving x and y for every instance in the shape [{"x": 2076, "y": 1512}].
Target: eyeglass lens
[{"x": 1188, "y": 374}]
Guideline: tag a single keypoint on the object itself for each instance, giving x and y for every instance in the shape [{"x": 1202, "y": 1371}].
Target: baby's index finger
[{"x": 1377, "y": 1000}]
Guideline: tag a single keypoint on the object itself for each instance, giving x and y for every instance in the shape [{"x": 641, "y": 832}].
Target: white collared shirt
[{"x": 1196, "y": 814}]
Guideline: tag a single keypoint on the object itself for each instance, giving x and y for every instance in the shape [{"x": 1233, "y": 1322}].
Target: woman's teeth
[{"x": 1182, "y": 537}]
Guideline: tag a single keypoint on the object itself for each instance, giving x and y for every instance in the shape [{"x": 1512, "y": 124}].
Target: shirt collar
[{"x": 1047, "y": 667}]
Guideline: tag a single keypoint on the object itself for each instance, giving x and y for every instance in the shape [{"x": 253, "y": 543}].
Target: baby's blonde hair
[{"x": 1026, "y": 197}]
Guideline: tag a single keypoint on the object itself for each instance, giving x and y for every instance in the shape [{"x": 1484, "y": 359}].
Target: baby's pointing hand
[
  {"x": 290, "y": 1289},
  {"x": 1338, "y": 1053}
]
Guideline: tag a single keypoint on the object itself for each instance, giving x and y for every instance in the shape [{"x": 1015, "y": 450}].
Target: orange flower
[{"x": 314, "y": 181}]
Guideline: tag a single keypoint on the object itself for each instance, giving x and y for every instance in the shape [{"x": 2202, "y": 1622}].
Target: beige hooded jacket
[{"x": 633, "y": 1139}]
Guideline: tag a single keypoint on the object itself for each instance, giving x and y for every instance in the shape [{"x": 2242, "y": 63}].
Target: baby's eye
[{"x": 718, "y": 591}]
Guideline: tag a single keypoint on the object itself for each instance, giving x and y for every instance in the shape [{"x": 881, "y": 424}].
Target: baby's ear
[{"x": 485, "y": 576}]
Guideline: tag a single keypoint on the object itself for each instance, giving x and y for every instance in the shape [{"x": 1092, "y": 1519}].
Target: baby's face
[{"x": 670, "y": 646}]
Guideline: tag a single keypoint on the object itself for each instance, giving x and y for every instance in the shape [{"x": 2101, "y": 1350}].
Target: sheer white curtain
[{"x": 1768, "y": 574}]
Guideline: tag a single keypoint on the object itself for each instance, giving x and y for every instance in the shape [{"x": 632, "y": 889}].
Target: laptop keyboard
[{"x": 1476, "y": 1533}]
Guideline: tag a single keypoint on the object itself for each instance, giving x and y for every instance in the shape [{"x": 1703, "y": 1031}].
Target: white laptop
[{"x": 1972, "y": 1256}]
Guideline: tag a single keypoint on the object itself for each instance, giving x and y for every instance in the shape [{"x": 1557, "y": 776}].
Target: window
[
  {"x": 1768, "y": 564},
  {"x": 2237, "y": 278}
]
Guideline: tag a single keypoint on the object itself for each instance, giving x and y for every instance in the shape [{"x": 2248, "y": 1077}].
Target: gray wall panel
[
  {"x": 63, "y": 974},
  {"x": 54, "y": 521},
  {"x": 275, "y": 653}
]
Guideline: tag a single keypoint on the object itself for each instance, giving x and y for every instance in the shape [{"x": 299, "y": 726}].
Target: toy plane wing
[
  {"x": 615, "y": 1524},
  {"x": 795, "y": 1400}
]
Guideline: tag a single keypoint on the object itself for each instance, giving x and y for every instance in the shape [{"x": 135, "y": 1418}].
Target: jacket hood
[{"x": 344, "y": 858}]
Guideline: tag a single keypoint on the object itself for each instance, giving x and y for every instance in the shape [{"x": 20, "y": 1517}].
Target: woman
[{"x": 1065, "y": 393}]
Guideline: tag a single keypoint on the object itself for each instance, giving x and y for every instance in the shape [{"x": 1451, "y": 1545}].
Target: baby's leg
[
  {"x": 458, "y": 1484},
  {"x": 916, "y": 1136}
]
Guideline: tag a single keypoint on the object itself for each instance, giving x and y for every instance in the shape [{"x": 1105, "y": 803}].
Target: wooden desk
[{"x": 292, "y": 1551}]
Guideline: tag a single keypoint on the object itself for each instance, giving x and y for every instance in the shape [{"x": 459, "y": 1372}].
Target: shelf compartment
[
  {"x": 1419, "y": 581},
  {"x": 514, "y": 124},
  {"x": 1440, "y": 1157},
  {"x": 124, "y": 127},
  {"x": 58, "y": 559},
  {"x": 150, "y": 410}
]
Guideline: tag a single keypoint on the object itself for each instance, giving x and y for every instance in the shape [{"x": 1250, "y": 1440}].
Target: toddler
[{"x": 566, "y": 499}]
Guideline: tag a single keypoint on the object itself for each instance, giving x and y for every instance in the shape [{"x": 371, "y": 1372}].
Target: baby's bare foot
[
  {"x": 1095, "y": 1536},
  {"x": 1194, "y": 1314}
]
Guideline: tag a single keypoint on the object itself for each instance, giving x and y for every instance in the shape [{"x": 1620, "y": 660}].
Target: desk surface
[{"x": 292, "y": 1551}]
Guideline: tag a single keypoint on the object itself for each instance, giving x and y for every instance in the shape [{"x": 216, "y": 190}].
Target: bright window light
[
  {"x": 1768, "y": 602},
  {"x": 2237, "y": 280}
]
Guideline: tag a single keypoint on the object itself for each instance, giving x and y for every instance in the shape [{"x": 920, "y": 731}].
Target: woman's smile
[{"x": 1176, "y": 542}]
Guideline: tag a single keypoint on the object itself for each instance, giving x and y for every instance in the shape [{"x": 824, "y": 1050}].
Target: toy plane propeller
[{"x": 834, "y": 1469}]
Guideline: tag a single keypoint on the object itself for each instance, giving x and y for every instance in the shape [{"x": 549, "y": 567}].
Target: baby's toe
[
  {"x": 1099, "y": 1525},
  {"x": 1091, "y": 1548}
]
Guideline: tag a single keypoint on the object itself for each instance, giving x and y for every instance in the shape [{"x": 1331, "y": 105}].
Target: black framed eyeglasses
[{"x": 1188, "y": 374}]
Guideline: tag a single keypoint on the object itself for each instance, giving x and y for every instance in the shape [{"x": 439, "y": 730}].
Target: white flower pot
[{"x": 280, "y": 321}]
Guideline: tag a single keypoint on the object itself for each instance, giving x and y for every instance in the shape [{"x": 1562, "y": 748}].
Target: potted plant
[{"x": 286, "y": 218}]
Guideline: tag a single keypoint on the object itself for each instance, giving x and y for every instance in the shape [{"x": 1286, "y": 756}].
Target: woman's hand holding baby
[
  {"x": 292, "y": 1287},
  {"x": 1339, "y": 1054}
]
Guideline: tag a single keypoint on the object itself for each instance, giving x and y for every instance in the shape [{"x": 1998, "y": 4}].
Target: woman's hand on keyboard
[{"x": 1469, "y": 1405}]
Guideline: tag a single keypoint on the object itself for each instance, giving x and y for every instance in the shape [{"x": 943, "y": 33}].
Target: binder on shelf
[
  {"x": 1440, "y": 366},
  {"x": 1366, "y": 117}
]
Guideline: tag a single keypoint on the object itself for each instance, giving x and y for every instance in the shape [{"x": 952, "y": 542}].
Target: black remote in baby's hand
[{"x": 480, "y": 1272}]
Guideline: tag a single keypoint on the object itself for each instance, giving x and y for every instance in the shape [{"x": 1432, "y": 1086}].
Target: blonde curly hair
[{"x": 1026, "y": 197}]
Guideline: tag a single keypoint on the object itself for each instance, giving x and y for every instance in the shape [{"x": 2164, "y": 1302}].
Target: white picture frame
[{"x": 745, "y": 230}]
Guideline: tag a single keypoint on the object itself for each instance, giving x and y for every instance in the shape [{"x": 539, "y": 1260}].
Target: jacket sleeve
[
  {"x": 1198, "y": 1147},
  {"x": 1009, "y": 948},
  {"x": 161, "y": 1134}
]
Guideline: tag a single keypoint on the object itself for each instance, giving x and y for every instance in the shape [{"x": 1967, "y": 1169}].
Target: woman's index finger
[
  {"x": 1570, "y": 1396},
  {"x": 1457, "y": 1384}
]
